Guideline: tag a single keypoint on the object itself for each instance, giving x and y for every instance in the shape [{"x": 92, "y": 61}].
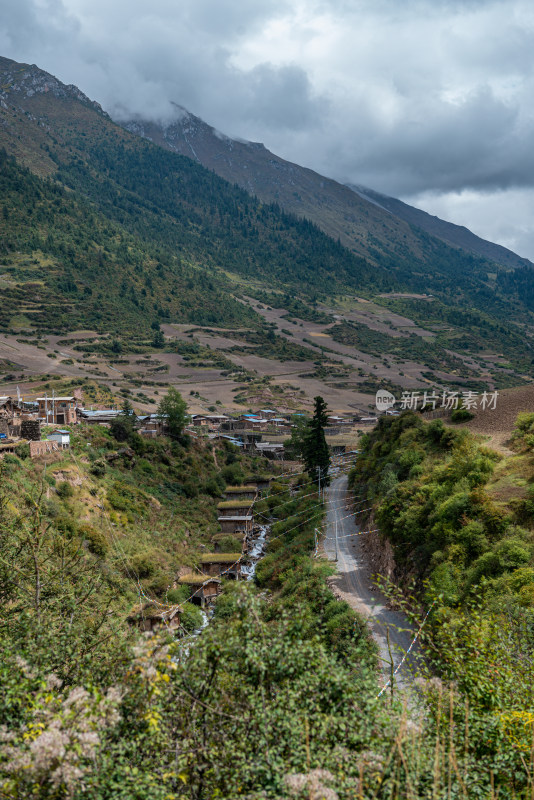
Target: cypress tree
[{"x": 315, "y": 449}]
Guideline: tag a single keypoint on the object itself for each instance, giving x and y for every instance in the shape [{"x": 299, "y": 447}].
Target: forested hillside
[
  {"x": 68, "y": 265},
  {"x": 180, "y": 215}
]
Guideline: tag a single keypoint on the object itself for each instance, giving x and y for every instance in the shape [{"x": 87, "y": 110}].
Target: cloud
[
  {"x": 421, "y": 98},
  {"x": 505, "y": 217}
]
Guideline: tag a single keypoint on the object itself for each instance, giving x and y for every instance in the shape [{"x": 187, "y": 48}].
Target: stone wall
[
  {"x": 42, "y": 448},
  {"x": 30, "y": 429}
]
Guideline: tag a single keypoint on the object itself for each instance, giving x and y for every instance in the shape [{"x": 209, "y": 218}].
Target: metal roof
[{"x": 53, "y": 399}]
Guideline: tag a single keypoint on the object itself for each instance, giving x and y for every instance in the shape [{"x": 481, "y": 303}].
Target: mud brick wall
[{"x": 42, "y": 448}]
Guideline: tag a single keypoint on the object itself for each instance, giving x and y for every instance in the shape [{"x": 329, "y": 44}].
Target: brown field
[
  {"x": 498, "y": 425},
  {"x": 286, "y": 385}
]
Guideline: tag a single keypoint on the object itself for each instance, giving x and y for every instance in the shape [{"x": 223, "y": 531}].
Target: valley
[{"x": 226, "y": 570}]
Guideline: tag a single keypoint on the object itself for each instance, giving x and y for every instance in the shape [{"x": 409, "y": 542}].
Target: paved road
[{"x": 354, "y": 584}]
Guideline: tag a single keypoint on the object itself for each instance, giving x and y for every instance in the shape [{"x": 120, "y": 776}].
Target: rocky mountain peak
[{"x": 19, "y": 82}]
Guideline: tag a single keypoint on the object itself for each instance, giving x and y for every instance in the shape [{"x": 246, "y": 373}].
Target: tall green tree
[
  {"x": 294, "y": 448},
  {"x": 172, "y": 411},
  {"x": 122, "y": 427},
  {"x": 315, "y": 449}
]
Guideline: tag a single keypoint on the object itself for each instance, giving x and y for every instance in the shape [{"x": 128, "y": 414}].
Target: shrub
[
  {"x": 190, "y": 488},
  {"x": 121, "y": 428},
  {"x": 506, "y": 555},
  {"x": 145, "y": 466},
  {"x": 233, "y": 475},
  {"x": 525, "y": 422},
  {"x": 178, "y": 595},
  {"x": 213, "y": 487},
  {"x": 96, "y": 541},
  {"x": 388, "y": 481},
  {"x": 22, "y": 450},
  {"x": 461, "y": 415},
  {"x": 10, "y": 463},
  {"x": 144, "y": 564},
  {"x": 191, "y": 617},
  {"x": 229, "y": 544},
  {"x": 65, "y": 490},
  {"x": 66, "y": 525},
  {"x": 98, "y": 468}
]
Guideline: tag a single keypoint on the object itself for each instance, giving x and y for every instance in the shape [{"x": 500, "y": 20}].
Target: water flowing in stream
[{"x": 248, "y": 570}]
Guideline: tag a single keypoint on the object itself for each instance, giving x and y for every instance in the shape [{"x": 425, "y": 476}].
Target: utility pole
[{"x": 335, "y": 512}]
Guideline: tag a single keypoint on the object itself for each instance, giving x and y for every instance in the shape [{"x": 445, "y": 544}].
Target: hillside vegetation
[
  {"x": 441, "y": 501},
  {"x": 279, "y": 696},
  {"x": 460, "y": 519}
]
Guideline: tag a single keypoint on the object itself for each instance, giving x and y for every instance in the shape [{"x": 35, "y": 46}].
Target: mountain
[
  {"x": 117, "y": 220},
  {"x": 365, "y": 221},
  {"x": 361, "y": 226},
  {"x": 457, "y": 235},
  {"x": 105, "y": 230}
]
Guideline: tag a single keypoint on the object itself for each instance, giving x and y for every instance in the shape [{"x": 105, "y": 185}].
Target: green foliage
[
  {"x": 122, "y": 427},
  {"x": 428, "y": 485},
  {"x": 461, "y": 415},
  {"x": 22, "y": 450},
  {"x": 64, "y": 490},
  {"x": 95, "y": 539},
  {"x": 233, "y": 474},
  {"x": 191, "y": 617},
  {"x": 172, "y": 411},
  {"x": 229, "y": 544},
  {"x": 98, "y": 468},
  {"x": 294, "y": 447},
  {"x": 158, "y": 340},
  {"x": 315, "y": 453}
]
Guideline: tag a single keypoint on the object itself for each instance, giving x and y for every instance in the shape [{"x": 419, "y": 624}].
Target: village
[{"x": 43, "y": 423}]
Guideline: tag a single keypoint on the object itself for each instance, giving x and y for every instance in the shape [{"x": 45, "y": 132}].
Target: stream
[{"x": 256, "y": 552}]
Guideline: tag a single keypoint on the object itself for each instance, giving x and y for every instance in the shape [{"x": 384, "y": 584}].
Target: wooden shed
[
  {"x": 151, "y": 617},
  {"x": 239, "y": 523},
  {"x": 204, "y": 588},
  {"x": 233, "y": 508},
  {"x": 225, "y": 565},
  {"x": 262, "y": 484}
]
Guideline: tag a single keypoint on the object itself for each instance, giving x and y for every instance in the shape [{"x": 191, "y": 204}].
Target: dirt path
[{"x": 354, "y": 585}]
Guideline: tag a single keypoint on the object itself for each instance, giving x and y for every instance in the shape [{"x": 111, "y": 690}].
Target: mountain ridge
[
  {"x": 305, "y": 192},
  {"x": 457, "y": 235}
]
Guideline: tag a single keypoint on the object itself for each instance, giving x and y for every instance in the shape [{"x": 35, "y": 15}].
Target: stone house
[{"x": 58, "y": 410}]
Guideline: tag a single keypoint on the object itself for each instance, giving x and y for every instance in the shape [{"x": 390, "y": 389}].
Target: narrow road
[{"x": 354, "y": 584}]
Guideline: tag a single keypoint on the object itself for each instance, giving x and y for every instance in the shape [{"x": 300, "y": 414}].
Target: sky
[{"x": 431, "y": 101}]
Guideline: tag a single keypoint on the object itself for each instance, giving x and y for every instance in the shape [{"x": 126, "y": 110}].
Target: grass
[
  {"x": 219, "y": 558},
  {"x": 195, "y": 579}
]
